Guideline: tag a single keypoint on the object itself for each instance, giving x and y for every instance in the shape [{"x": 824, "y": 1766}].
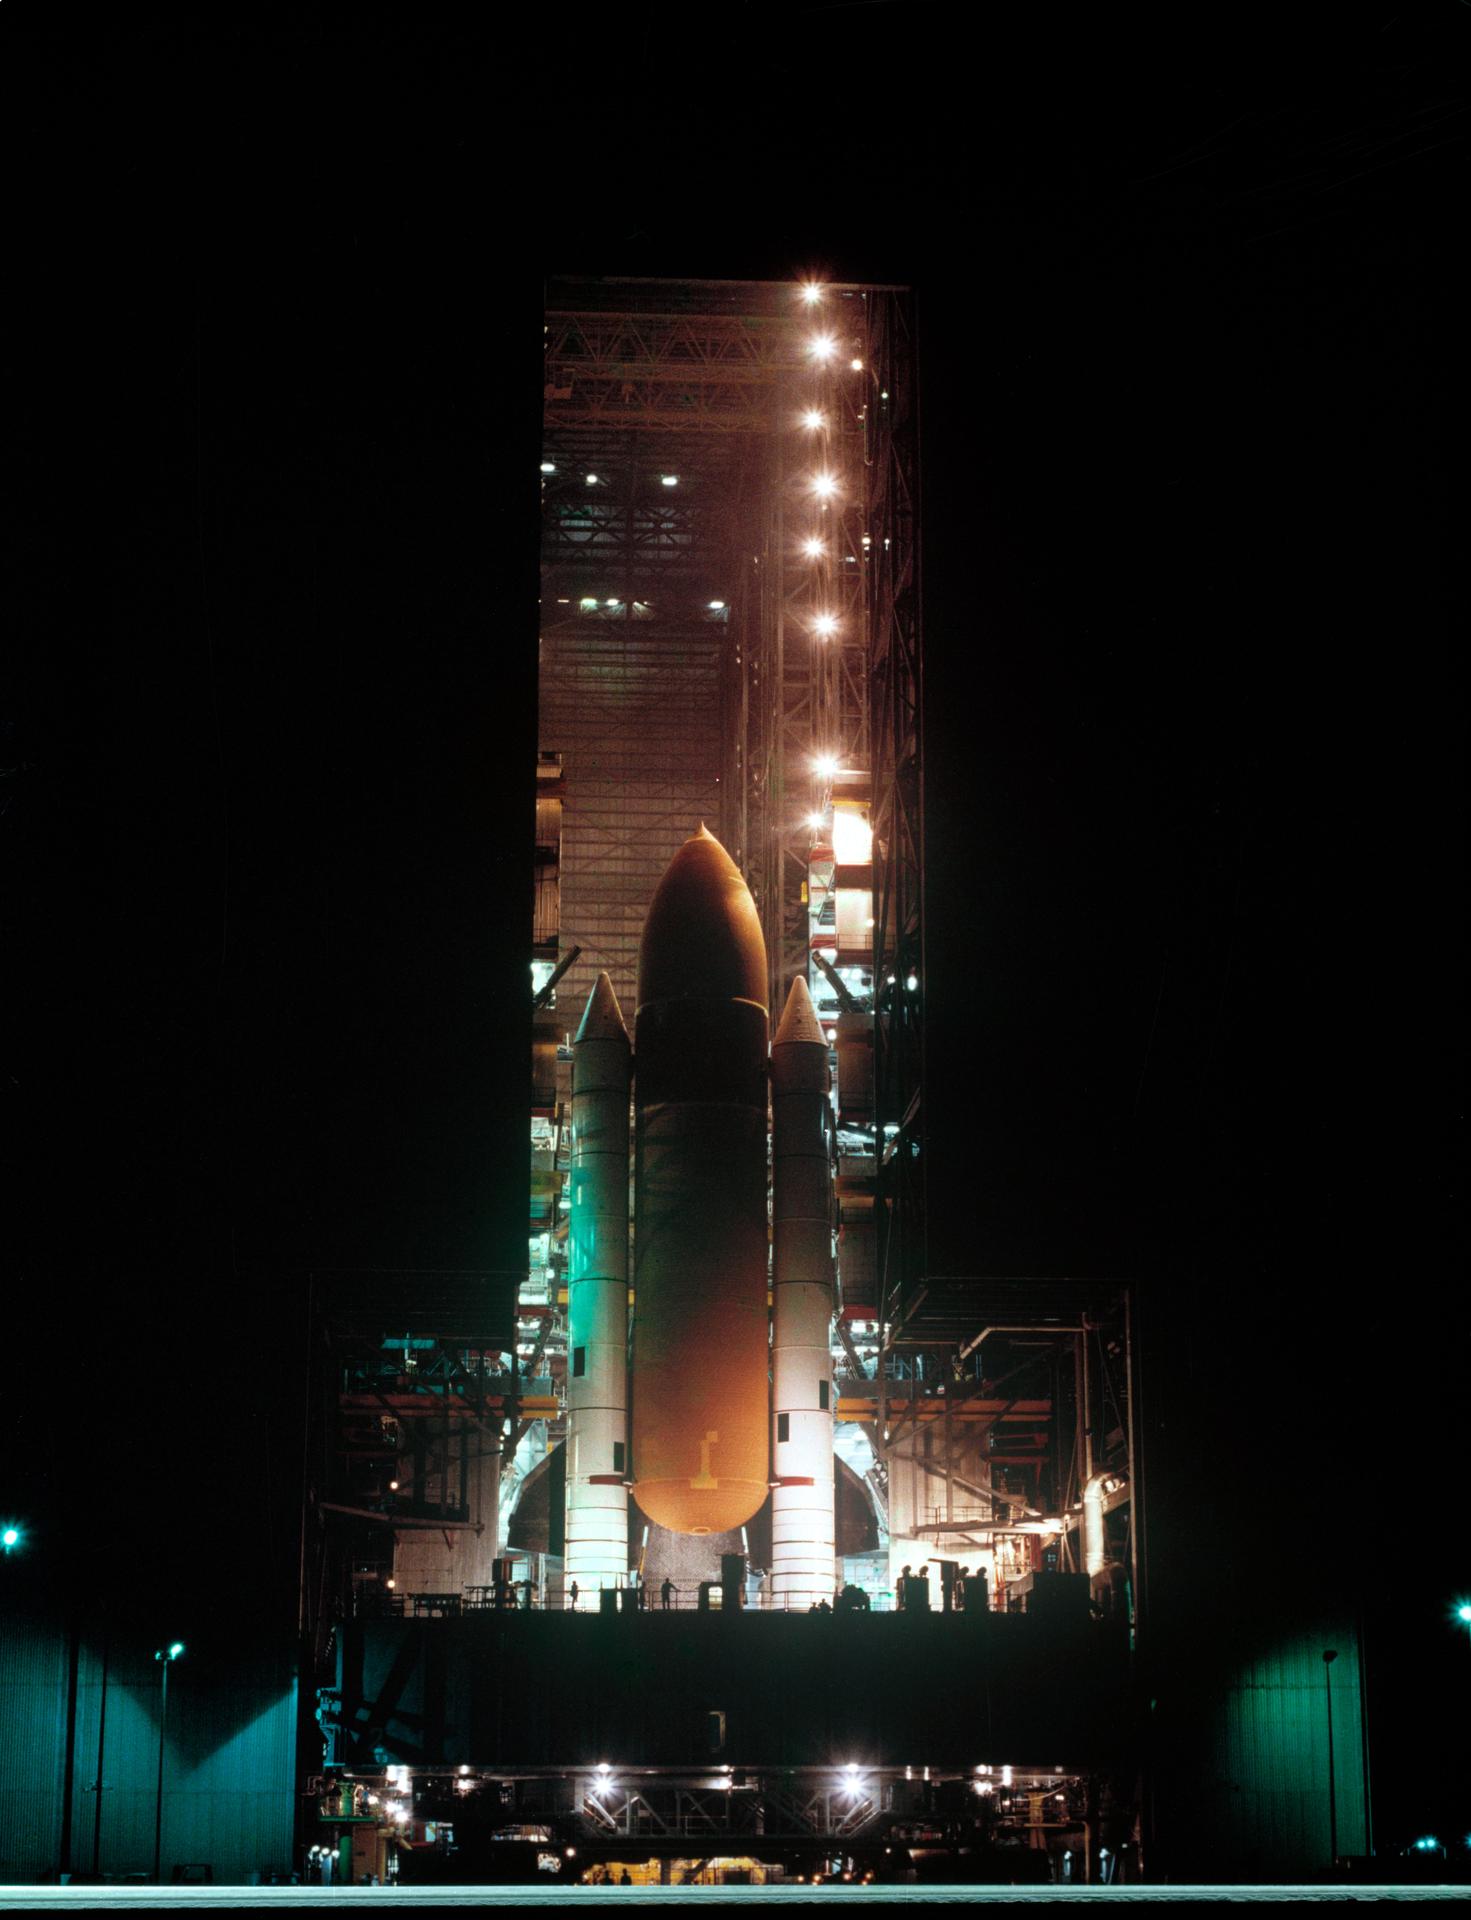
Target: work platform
[{"x": 749, "y": 1689}]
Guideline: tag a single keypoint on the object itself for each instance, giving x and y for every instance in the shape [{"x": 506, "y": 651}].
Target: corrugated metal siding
[
  {"x": 229, "y": 1765},
  {"x": 33, "y": 1686},
  {"x": 1264, "y": 1805},
  {"x": 634, "y": 710}
]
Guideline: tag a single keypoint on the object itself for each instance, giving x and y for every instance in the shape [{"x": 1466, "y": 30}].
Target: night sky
[{"x": 1195, "y": 941}]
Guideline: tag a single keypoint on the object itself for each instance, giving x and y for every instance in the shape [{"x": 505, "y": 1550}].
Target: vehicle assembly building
[{"x": 728, "y": 1540}]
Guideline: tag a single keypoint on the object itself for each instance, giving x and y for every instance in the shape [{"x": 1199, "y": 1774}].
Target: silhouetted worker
[
  {"x": 920, "y": 1591},
  {"x": 666, "y": 1592},
  {"x": 574, "y": 1596},
  {"x": 901, "y": 1596},
  {"x": 960, "y": 1580}
]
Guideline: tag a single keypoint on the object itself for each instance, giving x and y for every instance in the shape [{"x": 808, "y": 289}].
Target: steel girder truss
[
  {"x": 372, "y": 1417},
  {"x": 802, "y": 693},
  {"x": 764, "y": 1806},
  {"x": 898, "y": 801},
  {"x": 620, "y": 381},
  {"x": 676, "y": 372}
]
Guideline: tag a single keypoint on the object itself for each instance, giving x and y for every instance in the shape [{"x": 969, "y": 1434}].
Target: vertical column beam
[
  {"x": 597, "y": 1298},
  {"x": 803, "y": 1543}
]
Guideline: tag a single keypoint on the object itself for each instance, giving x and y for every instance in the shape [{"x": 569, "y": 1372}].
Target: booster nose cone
[
  {"x": 702, "y": 938},
  {"x": 799, "y": 1024},
  {"x": 602, "y": 1018}
]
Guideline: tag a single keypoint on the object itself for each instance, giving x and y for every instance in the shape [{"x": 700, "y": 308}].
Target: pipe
[
  {"x": 549, "y": 986},
  {"x": 986, "y": 1332}
]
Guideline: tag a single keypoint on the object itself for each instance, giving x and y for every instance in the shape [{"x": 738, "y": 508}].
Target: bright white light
[
  {"x": 822, "y": 346},
  {"x": 1006, "y": 1776},
  {"x": 814, "y": 549},
  {"x": 852, "y": 837},
  {"x": 817, "y": 821},
  {"x": 401, "y": 1815},
  {"x": 824, "y": 486},
  {"x": 856, "y": 365},
  {"x": 587, "y": 602},
  {"x": 813, "y": 419},
  {"x": 825, "y": 763},
  {"x": 912, "y": 982},
  {"x": 811, "y": 294},
  {"x": 592, "y": 479},
  {"x": 548, "y": 467},
  {"x": 603, "y": 1767},
  {"x": 669, "y": 479},
  {"x": 612, "y": 603},
  {"x": 825, "y": 625},
  {"x": 852, "y": 1767},
  {"x": 717, "y": 606}
]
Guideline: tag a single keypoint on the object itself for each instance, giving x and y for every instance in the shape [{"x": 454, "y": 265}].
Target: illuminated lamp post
[
  {"x": 166, "y": 1656},
  {"x": 1330, "y": 1654}
]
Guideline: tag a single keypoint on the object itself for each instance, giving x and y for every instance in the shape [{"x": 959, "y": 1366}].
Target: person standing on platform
[
  {"x": 901, "y": 1596},
  {"x": 574, "y": 1596},
  {"x": 666, "y": 1592}
]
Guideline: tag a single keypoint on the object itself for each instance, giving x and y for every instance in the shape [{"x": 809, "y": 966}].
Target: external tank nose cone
[{"x": 702, "y": 938}]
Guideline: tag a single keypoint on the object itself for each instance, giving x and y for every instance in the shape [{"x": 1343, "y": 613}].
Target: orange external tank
[{"x": 701, "y": 1425}]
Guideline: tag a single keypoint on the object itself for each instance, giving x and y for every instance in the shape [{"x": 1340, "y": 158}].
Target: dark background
[{"x": 1195, "y": 941}]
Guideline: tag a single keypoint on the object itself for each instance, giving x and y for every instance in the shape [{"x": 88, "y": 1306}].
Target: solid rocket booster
[
  {"x": 701, "y": 1458},
  {"x": 597, "y": 1299},
  {"x": 802, "y": 1534}
]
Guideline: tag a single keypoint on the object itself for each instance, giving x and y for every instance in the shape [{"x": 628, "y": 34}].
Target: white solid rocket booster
[
  {"x": 597, "y": 1299},
  {"x": 802, "y": 1532}
]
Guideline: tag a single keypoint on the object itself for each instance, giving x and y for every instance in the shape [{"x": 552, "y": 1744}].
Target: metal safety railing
[{"x": 523, "y": 1597}]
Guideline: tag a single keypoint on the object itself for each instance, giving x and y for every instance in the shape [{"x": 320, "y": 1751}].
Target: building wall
[
  {"x": 1242, "y": 1772},
  {"x": 633, "y": 707},
  {"x": 229, "y": 1798},
  {"x": 33, "y": 1691}
]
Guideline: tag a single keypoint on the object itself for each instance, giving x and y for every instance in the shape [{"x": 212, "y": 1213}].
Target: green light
[
  {"x": 1463, "y": 1612},
  {"x": 10, "y": 1538},
  {"x": 176, "y": 1649}
]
